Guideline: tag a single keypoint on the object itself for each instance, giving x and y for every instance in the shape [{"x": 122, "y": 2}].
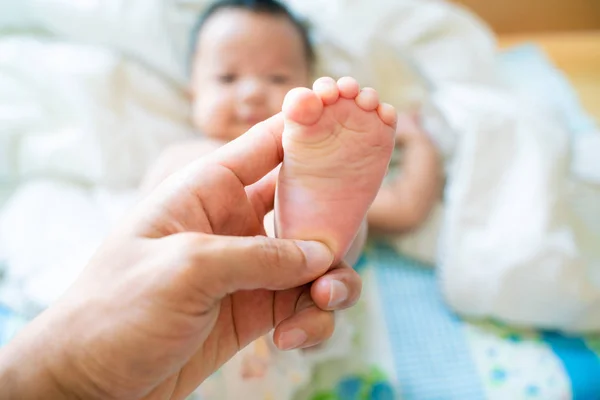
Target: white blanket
[{"x": 513, "y": 240}]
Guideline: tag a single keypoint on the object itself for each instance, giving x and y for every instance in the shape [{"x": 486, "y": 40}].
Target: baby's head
[{"x": 247, "y": 55}]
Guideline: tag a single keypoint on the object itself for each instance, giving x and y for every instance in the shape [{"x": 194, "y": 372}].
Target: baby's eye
[
  {"x": 227, "y": 78},
  {"x": 279, "y": 79}
]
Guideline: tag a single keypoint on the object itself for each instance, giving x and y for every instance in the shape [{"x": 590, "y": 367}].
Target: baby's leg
[{"x": 338, "y": 141}]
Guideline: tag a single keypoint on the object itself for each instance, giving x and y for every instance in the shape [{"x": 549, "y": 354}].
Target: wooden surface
[
  {"x": 513, "y": 16},
  {"x": 575, "y": 53}
]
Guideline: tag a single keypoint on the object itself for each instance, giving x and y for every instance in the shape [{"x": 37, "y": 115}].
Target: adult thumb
[{"x": 226, "y": 264}]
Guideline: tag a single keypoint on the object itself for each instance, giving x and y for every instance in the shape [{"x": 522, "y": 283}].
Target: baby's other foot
[{"x": 337, "y": 142}]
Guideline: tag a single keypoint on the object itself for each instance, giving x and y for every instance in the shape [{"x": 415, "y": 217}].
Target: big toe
[{"x": 302, "y": 106}]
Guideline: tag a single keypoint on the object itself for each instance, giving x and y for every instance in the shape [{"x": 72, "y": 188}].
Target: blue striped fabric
[{"x": 429, "y": 346}]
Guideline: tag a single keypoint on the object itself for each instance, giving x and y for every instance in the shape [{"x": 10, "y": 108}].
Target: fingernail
[
  {"x": 338, "y": 293},
  {"x": 292, "y": 339},
  {"x": 318, "y": 256}
]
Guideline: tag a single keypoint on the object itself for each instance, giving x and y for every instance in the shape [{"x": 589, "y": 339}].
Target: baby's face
[{"x": 245, "y": 64}]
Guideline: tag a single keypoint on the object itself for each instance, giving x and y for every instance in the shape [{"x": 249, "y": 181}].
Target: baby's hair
[{"x": 270, "y": 7}]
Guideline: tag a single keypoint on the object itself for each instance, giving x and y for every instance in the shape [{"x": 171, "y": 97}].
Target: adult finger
[
  {"x": 223, "y": 264},
  {"x": 307, "y": 327},
  {"x": 254, "y": 154},
  {"x": 262, "y": 193},
  {"x": 338, "y": 289}
]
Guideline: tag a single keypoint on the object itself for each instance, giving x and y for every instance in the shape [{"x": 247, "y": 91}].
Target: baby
[
  {"x": 246, "y": 56},
  {"x": 252, "y": 59}
]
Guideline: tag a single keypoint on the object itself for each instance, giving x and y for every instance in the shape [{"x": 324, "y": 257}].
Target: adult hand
[{"x": 181, "y": 286}]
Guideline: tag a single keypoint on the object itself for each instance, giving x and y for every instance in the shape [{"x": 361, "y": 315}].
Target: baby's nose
[{"x": 252, "y": 91}]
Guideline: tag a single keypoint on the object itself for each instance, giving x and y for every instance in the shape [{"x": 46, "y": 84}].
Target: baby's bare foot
[{"x": 337, "y": 144}]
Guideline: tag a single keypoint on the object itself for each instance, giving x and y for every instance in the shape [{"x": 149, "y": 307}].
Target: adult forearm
[{"x": 25, "y": 372}]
